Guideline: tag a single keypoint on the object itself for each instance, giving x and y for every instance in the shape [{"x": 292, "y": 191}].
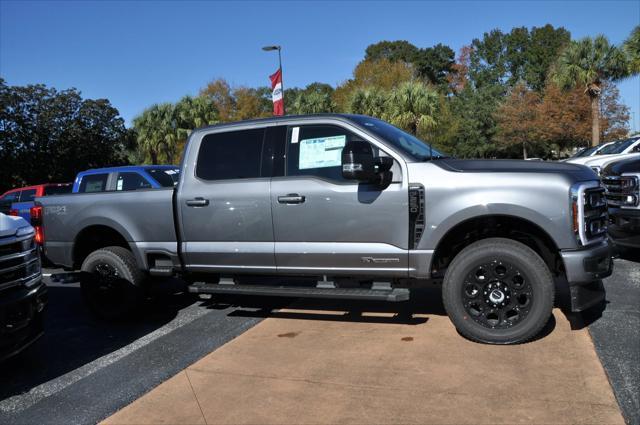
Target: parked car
[
  {"x": 132, "y": 177},
  {"x": 609, "y": 152},
  {"x": 588, "y": 151},
  {"x": 21, "y": 199},
  {"x": 366, "y": 209},
  {"x": 23, "y": 296},
  {"x": 622, "y": 182},
  {"x": 599, "y": 162}
]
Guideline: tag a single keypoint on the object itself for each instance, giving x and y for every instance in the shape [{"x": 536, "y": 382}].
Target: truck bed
[{"x": 143, "y": 218}]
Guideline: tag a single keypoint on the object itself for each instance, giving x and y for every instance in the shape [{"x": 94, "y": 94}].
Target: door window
[
  {"x": 230, "y": 155},
  {"x": 27, "y": 195},
  {"x": 316, "y": 150},
  {"x": 94, "y": 183},
  {"x": 131, "y": 181},
  {"x": 11, "y": 197}
]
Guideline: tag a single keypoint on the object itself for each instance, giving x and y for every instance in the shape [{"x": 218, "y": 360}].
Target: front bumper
[
  {"x": 584, "y": 268},
  {"x": 624, "y": 227},
  {"x": 21, "y": 318}
]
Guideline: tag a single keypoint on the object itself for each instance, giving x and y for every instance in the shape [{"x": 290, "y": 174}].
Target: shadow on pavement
[{"x": 74, "y": 338}]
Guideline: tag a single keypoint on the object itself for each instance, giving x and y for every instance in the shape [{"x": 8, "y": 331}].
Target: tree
[
  {"x": 381, "y": 73},
  {"x": 157, "y": 133},
  {"x": 434, "y": 64},
  {"x": 49, "y": 135},
  {"x": 316, "y": 98},
  {"x": 219, "y": 91},
  {"x": 588, "y": 63},
  {"x": 368, "y": 101},
  {"x": 564, "y": 117},
  {"x": 517, "y": 119},
  {"x": 412, "y": 106},
  {"x": 393, "y": 51},
  {"x": 631, "y": 48}
]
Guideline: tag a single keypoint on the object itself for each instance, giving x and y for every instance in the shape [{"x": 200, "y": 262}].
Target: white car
[
  {"x": 609, "y": 150},
  {"x": 598, "y": 162}
]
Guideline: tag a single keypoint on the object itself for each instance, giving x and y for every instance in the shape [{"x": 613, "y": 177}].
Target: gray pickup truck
[{"x": 358, "y": 207}]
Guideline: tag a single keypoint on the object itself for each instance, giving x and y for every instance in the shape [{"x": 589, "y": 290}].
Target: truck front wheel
[
  {"x": 498, "y": 291},
  {"x": 111, "y": 286}
]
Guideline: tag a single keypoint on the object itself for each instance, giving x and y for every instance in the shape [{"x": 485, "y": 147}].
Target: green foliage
[
  {"x": 393, "y": 51},
  {"x": 48, "y": 135},
  {"x": 316, "y": 98},
  {"x": 433, "y": 64},
  {"x": 368, "y": 101},
  {"x": 412, "y": 106},
  {"x": 631, "y": 48}
]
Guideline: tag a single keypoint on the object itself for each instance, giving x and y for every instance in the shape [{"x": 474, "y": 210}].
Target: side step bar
[{"x": 391, "y": 295}]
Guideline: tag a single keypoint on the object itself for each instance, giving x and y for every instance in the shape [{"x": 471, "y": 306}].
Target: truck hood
[
  {"x": 9, "y": 225},
  {"x": 578, "y": 172},
  {"x": 617, "y": 168}
]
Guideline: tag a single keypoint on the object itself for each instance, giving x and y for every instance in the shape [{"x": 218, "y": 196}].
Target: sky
[{"x": 137, "y": 53}]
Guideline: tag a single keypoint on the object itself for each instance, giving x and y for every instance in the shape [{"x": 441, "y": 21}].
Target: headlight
[{"x": 25, "y": 231}]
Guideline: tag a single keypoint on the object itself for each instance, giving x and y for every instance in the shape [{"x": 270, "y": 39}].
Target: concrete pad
[{"x": 331, "y": 369}]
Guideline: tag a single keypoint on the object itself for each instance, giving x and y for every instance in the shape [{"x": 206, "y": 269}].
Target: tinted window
[
  {"x": 316, "y": 150},
  {"x": 94, "y": 183},
  {"x": 166, "y": 177},
  {"x": 11, "y": 197},
  {"x": 131, "y": 181},
  {"x": 58, "y": 190},
  {"x": 27, "y": 195},
  {"x": 230, "y": 155}
]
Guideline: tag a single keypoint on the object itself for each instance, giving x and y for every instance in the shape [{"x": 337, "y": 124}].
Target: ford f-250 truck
[
  {"x": 621, "y": 180},
  {"x": 368, "y": 210}
]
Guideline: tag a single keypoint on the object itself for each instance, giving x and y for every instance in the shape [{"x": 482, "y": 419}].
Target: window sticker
[
  {"x": 322, "y": 152},
  {"x": 119, "y": 183},
  {"x": 295, "y": 134}
]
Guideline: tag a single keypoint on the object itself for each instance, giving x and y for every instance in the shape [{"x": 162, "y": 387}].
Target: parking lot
[{"x": 378, "y": 363}]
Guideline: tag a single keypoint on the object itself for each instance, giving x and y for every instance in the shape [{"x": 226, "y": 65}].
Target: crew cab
[
  {"x": 363, "y": 208},
  {"x": 23, "y": 296},
  {"x": 130, "y": 177},
  {"x": 22, "y": 199},
  {"x": 622, "y": 182}
]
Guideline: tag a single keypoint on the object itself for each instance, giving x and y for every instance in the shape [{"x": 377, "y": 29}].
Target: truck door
[
  {"x": 224, "y": 204},
  {"x": 326, "y": 224}
]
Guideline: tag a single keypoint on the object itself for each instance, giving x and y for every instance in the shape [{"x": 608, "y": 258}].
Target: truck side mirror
[{"x": 358, "y": 162}]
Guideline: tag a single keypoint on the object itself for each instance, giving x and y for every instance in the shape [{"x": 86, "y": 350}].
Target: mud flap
[{"x": 586, "y": 295}]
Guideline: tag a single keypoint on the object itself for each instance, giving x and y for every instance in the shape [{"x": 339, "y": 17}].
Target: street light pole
[{"x": 279, "y": 49}]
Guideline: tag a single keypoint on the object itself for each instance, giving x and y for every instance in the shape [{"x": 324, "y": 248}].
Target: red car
[{"x": 22, "y": 199}]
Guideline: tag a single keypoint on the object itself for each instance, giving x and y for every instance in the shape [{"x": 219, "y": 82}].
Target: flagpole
[{"x": 284, "y": 104}]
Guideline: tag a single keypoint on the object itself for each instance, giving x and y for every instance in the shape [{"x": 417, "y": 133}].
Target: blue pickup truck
[{"x": 126, "y": 178}]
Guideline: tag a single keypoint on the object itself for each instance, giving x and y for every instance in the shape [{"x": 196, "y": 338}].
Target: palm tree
[
  {"x": 156, "y": 133},
  {"x": 588, "y": 62},
  {"x": 631, "y": 47},
  {"x": 412, "y": 106},
  {"x": 194, "y": 112},
  {"x": 368, "y": 101},
  {"x": 313, "y": 102}
]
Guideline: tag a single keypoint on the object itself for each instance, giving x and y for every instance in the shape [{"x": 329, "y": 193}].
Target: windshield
[
  {"x": 585, "y": 152},
  {"x": 166, "y": 177},
  {"x": 58, "y": 189},
  {"x": 411, "y": 145},
  {"x": 617, "y": 147}
]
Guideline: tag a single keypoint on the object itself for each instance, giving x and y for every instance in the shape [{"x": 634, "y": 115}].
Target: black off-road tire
[
  {"x": 500, "y": 251},
  {"x": 114, "y": 297}
]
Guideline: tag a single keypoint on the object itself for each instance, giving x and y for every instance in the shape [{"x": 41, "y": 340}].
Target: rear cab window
[
  {"x": 58, "y": 189},
  {"x": 92, "y": 183},
  {"x": 27, "y": 195},
  {"x": 230, "y": 155}
]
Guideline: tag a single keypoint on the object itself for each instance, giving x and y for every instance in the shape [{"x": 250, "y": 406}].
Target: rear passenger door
[{"x": 224, "y": 204}]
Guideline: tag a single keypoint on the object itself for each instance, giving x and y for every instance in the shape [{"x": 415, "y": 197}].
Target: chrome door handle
[
  {"x": 197, "y": 202},
  {"x": 291, "y": 198}
]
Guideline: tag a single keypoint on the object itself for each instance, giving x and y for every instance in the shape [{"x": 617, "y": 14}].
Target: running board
[{"x": 391, "y": 295}]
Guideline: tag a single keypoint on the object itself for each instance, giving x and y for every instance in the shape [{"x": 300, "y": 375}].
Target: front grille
[
  {"x": 621, "y": 190},
  {"x": 19, "y": 262}
]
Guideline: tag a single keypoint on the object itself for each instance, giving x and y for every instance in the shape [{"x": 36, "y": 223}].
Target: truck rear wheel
[
  {"x": 498, "y": 291},
  {"x": 111, "y": 286}
]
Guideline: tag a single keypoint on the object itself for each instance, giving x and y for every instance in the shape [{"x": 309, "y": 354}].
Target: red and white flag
[{"x": 276, "y": 94}]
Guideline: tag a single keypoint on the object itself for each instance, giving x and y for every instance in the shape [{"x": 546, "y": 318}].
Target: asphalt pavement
[{"x": 83, "y": 369}]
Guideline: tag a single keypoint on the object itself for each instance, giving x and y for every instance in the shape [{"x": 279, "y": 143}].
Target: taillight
[
  {"x": 36, "y": 221},
  {"x": 13, "y": 212}
]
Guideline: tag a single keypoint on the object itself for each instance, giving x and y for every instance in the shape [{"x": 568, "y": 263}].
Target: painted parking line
[{"x": 26, "y": 400}]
